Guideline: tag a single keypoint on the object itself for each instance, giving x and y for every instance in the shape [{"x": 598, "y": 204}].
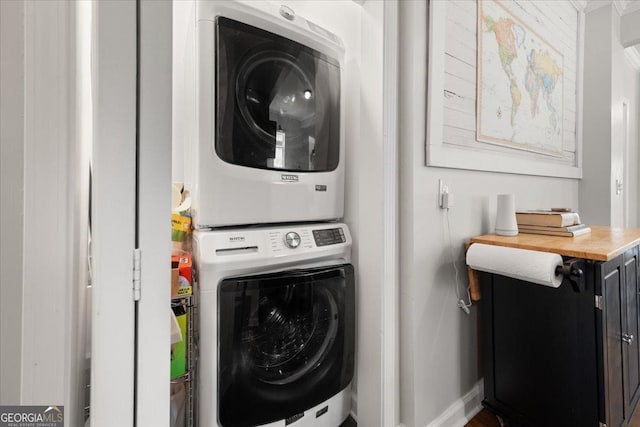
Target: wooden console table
[{"x": 568, "y": 356}]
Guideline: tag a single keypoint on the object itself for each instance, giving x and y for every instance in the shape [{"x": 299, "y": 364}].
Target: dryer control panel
[{"x": 329, "y": 236}]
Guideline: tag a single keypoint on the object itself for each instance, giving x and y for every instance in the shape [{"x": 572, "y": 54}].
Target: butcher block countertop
[{"x": 602, "y": 244}]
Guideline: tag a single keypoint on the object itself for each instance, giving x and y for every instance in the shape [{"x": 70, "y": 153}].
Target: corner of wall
[
  {"x": 412, "y": 22},
  {"x": 461, "y": 411}
]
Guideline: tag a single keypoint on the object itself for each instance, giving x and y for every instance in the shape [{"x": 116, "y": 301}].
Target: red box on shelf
[{"x": 184, "y": 285}]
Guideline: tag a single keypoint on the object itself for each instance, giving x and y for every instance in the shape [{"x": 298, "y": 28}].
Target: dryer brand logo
[
  {"x": 289, "y": 178},
  {"x": 236, "y": 239}
]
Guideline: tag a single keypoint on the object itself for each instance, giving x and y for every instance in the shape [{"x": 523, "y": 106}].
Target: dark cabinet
[
  {"x": 631, "y": 346},
  {"x": 619, "y": 354},
  {"x": 610, "y": 284},
  {"x": 563, "y": 357}
]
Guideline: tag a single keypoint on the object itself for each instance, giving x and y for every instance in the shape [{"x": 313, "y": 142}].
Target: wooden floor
[{"x": 486, "y": 419}]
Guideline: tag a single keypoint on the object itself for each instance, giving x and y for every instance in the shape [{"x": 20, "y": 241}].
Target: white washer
[
  {"x": 276, "y": 325},
  {"x": 269, "y": 115}
]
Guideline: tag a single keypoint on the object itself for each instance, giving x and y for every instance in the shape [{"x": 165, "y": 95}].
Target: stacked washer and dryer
[{"x": 276, "y": 298}]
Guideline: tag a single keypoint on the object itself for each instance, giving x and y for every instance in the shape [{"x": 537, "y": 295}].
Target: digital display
[{"x": 329, "y": 236}]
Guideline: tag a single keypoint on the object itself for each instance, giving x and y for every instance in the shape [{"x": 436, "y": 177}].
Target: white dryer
[
  {"x": 269, "y": 115},
  {"x": 276, "y": 326}
]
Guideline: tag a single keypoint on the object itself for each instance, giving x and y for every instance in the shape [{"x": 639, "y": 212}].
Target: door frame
[
  {"x": 390, "y": 415},
  {"x": 626, "y": 138}
]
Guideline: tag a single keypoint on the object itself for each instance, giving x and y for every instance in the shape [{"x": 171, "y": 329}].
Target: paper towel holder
[{"x": 571, "y": 269}]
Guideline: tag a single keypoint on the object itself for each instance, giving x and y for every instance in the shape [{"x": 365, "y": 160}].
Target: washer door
[
  {"x": 278, "y": 102},
  {"x": 286, "y": 343}
]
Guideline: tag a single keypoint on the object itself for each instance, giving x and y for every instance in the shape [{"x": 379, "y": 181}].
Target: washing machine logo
[
  {"x": 289, "y": 178},
  {"x": 235, "y": 239}
]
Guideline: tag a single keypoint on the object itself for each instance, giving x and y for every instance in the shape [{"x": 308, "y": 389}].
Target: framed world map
[
  {"x": 520, "y": 83},
  {"x": 505, "y": 86}
]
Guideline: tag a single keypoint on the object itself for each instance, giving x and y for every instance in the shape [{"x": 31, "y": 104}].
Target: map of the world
[{"x": 520, "y": 83}]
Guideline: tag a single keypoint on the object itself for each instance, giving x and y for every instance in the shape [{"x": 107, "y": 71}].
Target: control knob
[{"x": 292, "y": 239}]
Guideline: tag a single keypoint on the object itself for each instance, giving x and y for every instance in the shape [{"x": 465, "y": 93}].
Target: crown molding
[
  {"x": 632, "y": 6},
  {"x": 633, "y": 55},
  {"x": 596, "y": 4},
  {"x": 580, "y": 5},
  {"x": 622, "y": 6}
]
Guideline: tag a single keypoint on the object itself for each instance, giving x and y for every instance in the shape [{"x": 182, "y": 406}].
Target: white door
[
  {"x": 131, "y": 211},
  {"x": 113, "y": 213},
  {"x": 154, "y": 212}
]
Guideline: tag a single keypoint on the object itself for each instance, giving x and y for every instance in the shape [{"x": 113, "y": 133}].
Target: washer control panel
[
  {"x": 329, "y": 236},
  {"x": 282, "y": 240},
  {"x": 256, "y": 243}
]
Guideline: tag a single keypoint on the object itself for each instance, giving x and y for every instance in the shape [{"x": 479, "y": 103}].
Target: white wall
[
  {"x": 610, "y": 81},
  {"x": 42, "y": 217},
  {"x": 625, "y": 132},
  {"x": 439, "y": 360},
  {"x": 630, "y": 30},
  {"x": 45, "y": 185},
  {"x": 595, "y": 196},
  {"x": 618, "y": 134},
  {"x": 632, "y": 81},
  {"x": 11, "y": 194}
]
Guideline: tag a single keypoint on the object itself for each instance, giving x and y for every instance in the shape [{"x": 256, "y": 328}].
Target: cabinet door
[
  {"x": 611, "y": 279},
  {"x": 631, "y": 347},
  {"x": 540, "y": 352}
]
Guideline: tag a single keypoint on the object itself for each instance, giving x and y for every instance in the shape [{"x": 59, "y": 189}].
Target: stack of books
[{"x": 553, "y": 223}]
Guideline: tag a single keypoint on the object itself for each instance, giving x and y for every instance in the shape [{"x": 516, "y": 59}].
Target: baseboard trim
[{"x": 462, "y": 410}]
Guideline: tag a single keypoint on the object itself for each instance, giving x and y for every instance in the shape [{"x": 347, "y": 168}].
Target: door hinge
[
  {"x": 598, "y": 302},
  {"x": 136, "y": 274}
]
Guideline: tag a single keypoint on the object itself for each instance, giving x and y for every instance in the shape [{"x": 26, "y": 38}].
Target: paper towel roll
[{"x": 531, "y": 266}]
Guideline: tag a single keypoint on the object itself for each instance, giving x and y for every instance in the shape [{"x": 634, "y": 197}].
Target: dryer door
[
  {"x": 278, "y": 102},
  {"x": 286, "y": 343}
]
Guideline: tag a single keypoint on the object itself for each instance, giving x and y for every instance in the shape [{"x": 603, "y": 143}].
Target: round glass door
[
  {"x": 277, "y": 101},
  {"x": 285, "y": 342},
  {"x": 292, "y": 336},
  {"x": 271, "y": 88}
]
